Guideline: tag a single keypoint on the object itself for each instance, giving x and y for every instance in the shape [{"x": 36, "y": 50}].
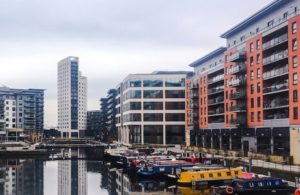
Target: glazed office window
[
  {"x": 295, "y": 96},
  {"x": 175, "y": 117},
  {"x": 251, "y": 61},
  {"x": 294, "y": 27},
  {"x": 175, "y": 93},
  {"x": 153, "y": 134},
  {"x": 295, "y": 61},
  {"x": 270, "y": 23},
  {"x": 252, "y": 88},
  {"x": 258, "y": 59},
  {"x": 134, "y": 106},
  {"x": 153, "y": 117},
  {"x": 258, "y": 73},
  {"x": 152, "y": 83},
  {"x": 285, "y": 15},
  {"x": 153, "y": 105},
  {"x": 295, "y": 110},
  {"x": 258, "y": 44},
  {"x": 294, "y": 44},
  {"x": 175, "y": 134},
  {"x": 259, "y": 116},
  {"x": 133, "y": 94},
  {"x": 175, "y": 105},
  {"x": 153, "y": 94},
  {"x": 175, "y": 82},
  {"x": 258, "y": 102},
  {"x": 251, "y": 47},
  {"x": 135, "y": 83},
  {"x": 258, "y": 87},
  {"x": 251, "y": 75},
  {"x": 252, "y": 102},
  {"x": 295, "y": 78},
  {"x": 252, "y": 116}
]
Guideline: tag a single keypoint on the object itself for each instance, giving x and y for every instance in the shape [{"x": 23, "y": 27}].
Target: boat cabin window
[
  {"x": 202, "y": 175},
  {"x": 236, "y": 172},
  {"x": 228, "y": 173},
  {"x": 210, "y": 175},
  {"x": 219, "y": 174}
]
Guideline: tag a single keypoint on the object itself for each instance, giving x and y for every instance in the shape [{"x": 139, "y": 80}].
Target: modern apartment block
[
  {"x": 72, "y": 98},
  {"x": 21, "y": 113},
  {"x": 151, "y": 108},
  {"x": 258, "y": 107},
  {"x": 108, "y": 128}
]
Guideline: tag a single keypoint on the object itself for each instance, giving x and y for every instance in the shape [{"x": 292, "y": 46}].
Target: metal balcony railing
[
  {"x": 237, "y": 82},
  {"x": 276, "y": 41},
  {"x": 239, "y": 108},
  {"x": 216, "y": 79},
  {"x": 237, "y": 95},
  {"x": 216, "y": 100},
  {"x": 240, "y": 68},
  {"x": 276, "y": 103},
  {"x": 276, "y": 72},
  {"x": 275, "y": 57},
  {"x": 215, "y": 90},
  {"x": 239, "y": 55},
  {"x": 277, "y": 87},
  {"x": 238, "y": 121},
  {"x": 216, "y": 111}
]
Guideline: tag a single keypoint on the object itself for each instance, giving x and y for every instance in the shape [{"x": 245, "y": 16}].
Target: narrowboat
[
  {"x": 265, "y": 185},
  {"x": 198, "y": 167},
  {"x": 162, "y": 167},
  {"x": 192, "y": 178}
]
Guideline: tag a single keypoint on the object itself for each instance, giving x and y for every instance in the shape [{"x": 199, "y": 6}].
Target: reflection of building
[
  {"x": 151, "y": 108},
  {"x": 93, "y": 123},
  {"x": 72, "y": 98},
  {"x": 23, "y": 177},
  {"x": 72, "y": 174},
  {"x": 22, "y": 109}
]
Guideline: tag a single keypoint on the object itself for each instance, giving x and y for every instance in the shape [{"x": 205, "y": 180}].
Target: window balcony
[
  {"x": 275, "y": 57},
  {"x": 276, "y": 104},
  {"x": 216, "y": 79},
  {"x": 276, "y": 72},
  {"x": 218, "y": 111},
  {"x": 194, "y": 106},
  {"x": 239, "y": 68},
  {"x": 237, "y": 82},
  {"x": 237, "y": 56},
  {"x": 215, "y": 101},
  {"x": 237, "y": 95},
  {"x": 280, "y": 87},
  {"x": 238, "y": 121},
  {"x": 238, "y": 108},
  {"x": 194, "y": 96},
  {"x": 276, "y": 41},
  {"x": 215, "y": 90},
  {"x": 195, "y": 115}
]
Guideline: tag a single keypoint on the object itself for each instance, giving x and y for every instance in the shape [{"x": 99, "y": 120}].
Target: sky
[{"x": 112, "y": 38}]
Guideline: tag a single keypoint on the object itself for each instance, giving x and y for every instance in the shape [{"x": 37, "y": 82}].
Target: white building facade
[
  {"x": 151, "y": 108},
  {"x": 72, "y": 98}
]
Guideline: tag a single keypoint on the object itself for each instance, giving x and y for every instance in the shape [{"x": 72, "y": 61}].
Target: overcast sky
[{"x": 112, "y": 38}]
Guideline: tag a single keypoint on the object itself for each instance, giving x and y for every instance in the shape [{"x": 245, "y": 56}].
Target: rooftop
[{"x": 209, "y": 56}]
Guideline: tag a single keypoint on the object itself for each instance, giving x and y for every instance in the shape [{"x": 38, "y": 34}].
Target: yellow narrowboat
[{"x": 195, "y": 177}]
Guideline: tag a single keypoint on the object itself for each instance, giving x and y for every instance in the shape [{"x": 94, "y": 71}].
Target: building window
[
  {"x": 226, "y": 119},
  {"x": 258, "y": 58},
  {"x": 226, "y": 94},
  {"x": 252, "y": 102},
  {"x": 295, "y": 112},
  {"x": 257, "y": 30},
  {"x": 285, "y": 15},
  {"x": 251, "y": 61},
  {"x": 252, "y": 116},
  {"x": 294, "y": 44},
  {"x": 251, "y": 75},
  {"x": 258, "y": 102},
  {"x": 259, "y": 116},
  {"x": 258, "y": 44},
  {"x": 258, "y": 87},
  {"x": 226, "y": 107},
  {"x": 295, "y": 61},
  {"x": 270, "y": 23},
  {"x": 295, "y": 78},
  {"x": 295, "y": 96},
  {"x": 258, "y": 73},
  {"x": 251, "y": 47},
  {"x": 252, "y": 88},
  {"x": 294, "y": 27}
]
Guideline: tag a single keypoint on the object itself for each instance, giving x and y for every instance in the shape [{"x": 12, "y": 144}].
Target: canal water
[{"x": 79, "y": 176}]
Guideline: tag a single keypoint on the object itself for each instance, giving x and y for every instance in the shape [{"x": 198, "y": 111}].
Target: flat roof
[
  {"x": 255, "y": 17},
  {"x": 209, "y": 56}
]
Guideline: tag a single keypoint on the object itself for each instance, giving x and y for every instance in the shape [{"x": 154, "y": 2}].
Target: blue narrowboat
[{"x": 265, "y": 185}]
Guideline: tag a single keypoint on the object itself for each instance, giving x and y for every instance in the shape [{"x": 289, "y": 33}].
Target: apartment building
[
  {"x": 21, "y": 113},
  {"x": 151, "y": 108},
  {"x": 72, "y": 98},
  {"x": 261, "y": 88}
]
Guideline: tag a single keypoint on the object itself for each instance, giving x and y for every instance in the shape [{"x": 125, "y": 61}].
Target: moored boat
[{"x": 204, "y": 177}]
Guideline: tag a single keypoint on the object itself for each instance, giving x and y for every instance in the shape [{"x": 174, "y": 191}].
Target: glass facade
[
  {"x": 132, "y": 106},
  {"x": 134, "y": 94},
  {"x": 153, "y": 134},
  {"x": 153, "y": 117},
  {"x": 175, "y": 117},
  {"x": 175, "y": 82},
  {"x": 135, "y": 134},
  {"x": 175, "y": 134},
  {"x": 135, "y": 83},
  {"x": 133, "y": 117},
  {"x": 153, "y": 94},
  {"x": 153, "y": 105},
  {"x": 175, "y": 105},
  {"x": 74, "y": 95},
  {"x": 175, "y": 94},
  {"x": 153, "y": 83}
]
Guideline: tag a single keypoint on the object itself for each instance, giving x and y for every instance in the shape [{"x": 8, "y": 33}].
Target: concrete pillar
[
  {"x": 164, "y": 134},
  {"x": 203, "y": 141},
  {"x": 230, "y": 142},
  {"x": 272, "y": 145},
  {"x": 211, "y": 141},
  {"x": 142, "y": 134},
  {"x": 220, "y": 138}
]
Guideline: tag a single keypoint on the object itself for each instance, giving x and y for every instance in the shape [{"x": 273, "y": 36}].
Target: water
[{"x": 79, "y": 176}]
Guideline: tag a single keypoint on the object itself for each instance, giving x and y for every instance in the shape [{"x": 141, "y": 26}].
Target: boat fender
[
  {"x": 229, "y": 190},
  {"x": 297, "y": 192}
]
